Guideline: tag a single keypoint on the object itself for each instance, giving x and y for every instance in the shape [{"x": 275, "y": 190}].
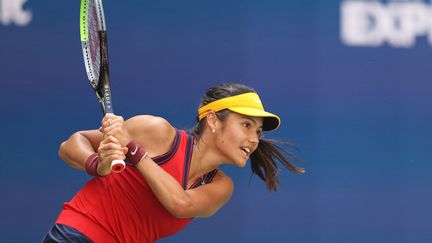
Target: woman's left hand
[{"x": 113, "y": 125}]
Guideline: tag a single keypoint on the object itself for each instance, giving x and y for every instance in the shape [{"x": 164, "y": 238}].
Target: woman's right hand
[{"x": 109, "y": 150}]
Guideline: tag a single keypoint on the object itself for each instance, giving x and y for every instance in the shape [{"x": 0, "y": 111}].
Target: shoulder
[
  {"x": 147, "y": 123},
  {"x": 150, "y": 130}
]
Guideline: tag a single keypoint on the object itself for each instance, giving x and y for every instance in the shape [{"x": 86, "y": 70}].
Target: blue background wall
[{"x": 360, "y": 114}]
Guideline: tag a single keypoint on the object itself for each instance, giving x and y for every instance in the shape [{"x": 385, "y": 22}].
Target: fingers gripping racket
[{"x": 95, "y": 51}]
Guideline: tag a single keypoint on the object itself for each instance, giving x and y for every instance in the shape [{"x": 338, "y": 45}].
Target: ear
[{"x": 212, "y": 120}]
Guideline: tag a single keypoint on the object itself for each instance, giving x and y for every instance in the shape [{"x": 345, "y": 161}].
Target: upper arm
[{"x": 207, "y": 199}]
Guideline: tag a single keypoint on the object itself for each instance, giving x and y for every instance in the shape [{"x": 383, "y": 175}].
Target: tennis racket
[{"x": 95, "y": 52}]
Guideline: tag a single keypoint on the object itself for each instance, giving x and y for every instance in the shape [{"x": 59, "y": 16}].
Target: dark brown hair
[{"x": 263, "y": 159}]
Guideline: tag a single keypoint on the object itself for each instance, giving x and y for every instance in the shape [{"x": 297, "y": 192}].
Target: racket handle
[{"x": 117, "y": 166}]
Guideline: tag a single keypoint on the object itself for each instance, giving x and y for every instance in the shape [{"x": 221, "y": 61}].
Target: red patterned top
[{"x": 122, "y": 207}]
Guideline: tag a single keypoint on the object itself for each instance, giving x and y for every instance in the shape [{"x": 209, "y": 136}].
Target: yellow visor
[{"x": 248, "y": 104}]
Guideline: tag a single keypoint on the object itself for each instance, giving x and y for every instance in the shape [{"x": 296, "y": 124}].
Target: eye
[{"x": 246, "y": 124}]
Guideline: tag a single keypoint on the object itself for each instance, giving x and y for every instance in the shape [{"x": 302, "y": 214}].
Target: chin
[
  {"x": 242, "y": 163},
  {"x": 239, "y": 161}
]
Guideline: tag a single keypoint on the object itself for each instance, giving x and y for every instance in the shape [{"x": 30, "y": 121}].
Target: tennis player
[{"x": 172, "y": 176}]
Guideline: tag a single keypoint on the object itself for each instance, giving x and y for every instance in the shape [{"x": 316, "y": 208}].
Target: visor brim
[{"x": 271, "y": 121}]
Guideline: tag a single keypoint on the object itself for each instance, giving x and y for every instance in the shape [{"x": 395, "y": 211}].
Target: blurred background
[{"x": 351, "y": 81}]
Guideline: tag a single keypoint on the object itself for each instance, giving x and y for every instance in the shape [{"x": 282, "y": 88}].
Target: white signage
[
  {"x": 13, "y": 13},
  {"x": 373, "y": 23}
]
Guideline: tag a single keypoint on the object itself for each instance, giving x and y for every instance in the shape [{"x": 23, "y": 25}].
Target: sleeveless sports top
[{"x": 122, "y": 207}]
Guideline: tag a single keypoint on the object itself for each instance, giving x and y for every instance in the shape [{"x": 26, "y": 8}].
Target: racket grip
[{"x": 117, "y": 166}]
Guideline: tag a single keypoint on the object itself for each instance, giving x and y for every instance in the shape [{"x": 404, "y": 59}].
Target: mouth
[{"x": 246, "y": 151}]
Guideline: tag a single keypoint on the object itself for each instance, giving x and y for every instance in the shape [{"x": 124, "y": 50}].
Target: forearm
[
  {"x": 76, "y": 150},
  {"x": 168, "y": 191}
]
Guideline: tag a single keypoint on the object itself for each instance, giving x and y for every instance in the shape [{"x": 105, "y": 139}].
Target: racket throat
[{"x": 104, "y": 91}]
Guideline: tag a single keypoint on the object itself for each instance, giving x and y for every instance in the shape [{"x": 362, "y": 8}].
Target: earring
[{"x": 213, "y": 131}]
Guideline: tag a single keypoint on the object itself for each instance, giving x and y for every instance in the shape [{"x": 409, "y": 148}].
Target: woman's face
[{"x": 239, "y": 137}]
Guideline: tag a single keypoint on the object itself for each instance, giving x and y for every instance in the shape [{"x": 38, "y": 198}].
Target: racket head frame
[{"x": 95, "y": 50}]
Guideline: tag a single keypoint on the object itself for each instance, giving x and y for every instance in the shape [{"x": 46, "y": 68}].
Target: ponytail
[{"x": 263, "y": 162}]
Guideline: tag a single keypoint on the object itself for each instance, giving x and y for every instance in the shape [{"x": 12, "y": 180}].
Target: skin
[{"x": 220, "y": 143}]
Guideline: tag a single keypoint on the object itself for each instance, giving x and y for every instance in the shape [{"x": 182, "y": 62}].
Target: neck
[{"x": 204, "y": 159}]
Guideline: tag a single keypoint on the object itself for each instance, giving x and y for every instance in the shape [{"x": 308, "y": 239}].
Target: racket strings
[{"x": 94, "y": 36}]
